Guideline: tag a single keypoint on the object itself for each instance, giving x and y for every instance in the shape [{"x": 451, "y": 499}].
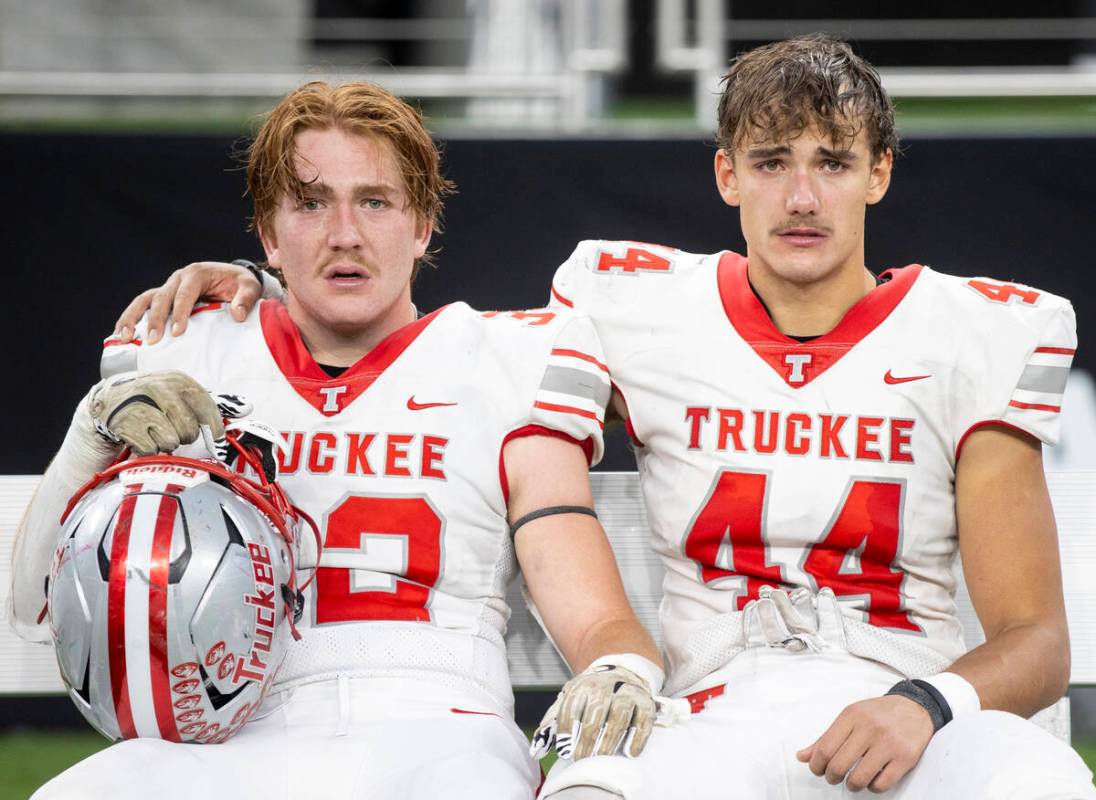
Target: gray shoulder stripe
[
  {"x": 1043, "y": 379},
  {"x": 577, "y": 382}
]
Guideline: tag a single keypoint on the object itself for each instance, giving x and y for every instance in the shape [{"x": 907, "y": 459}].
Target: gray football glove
[
  {"x": 156, "y": 412},
  {"x": 601, "y": 711}
]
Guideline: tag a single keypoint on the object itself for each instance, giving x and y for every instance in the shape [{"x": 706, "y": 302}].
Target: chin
[{"x": 801, "y": 271}]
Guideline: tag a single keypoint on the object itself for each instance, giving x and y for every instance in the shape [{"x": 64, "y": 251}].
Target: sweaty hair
[
  {"x": 776, "y": 92},
  {"x": 360, "y": 108}
]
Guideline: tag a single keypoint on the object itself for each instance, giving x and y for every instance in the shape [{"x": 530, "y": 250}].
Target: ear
[
  {"x": 726, "y": 177},
  {"x": 424, "y": 229},
  {"x": 879, "y": 179},
  {"x": 270, "y": 243}
]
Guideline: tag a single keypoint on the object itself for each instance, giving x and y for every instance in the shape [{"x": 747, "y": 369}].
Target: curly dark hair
[{"x": 816, "y": 81}]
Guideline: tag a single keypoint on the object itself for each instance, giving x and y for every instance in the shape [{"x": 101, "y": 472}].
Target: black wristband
[
  {"x": 251, "y": 267},
  {"x": 547, "y": 512},
  {"x": 928, "y": 697}
]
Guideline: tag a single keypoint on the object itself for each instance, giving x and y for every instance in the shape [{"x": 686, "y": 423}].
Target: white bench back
[{"x": 30, "y": 669}]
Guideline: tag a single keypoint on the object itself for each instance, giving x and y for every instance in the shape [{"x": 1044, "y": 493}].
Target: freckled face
[
  {"x": 802, "y": 202},
  {"x": 348, "y": 246}
]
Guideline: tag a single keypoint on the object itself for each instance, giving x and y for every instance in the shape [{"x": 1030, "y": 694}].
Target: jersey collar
[
  {"x": 330, "y": 395},
  {"x": 798, "y": 363}
]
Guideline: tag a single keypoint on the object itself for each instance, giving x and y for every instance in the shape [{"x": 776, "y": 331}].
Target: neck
[
  {"x": 809, "y": 308},
  {"x": 343, "y": 348}
]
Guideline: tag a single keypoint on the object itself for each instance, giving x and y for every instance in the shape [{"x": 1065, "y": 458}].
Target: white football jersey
[
  {"x": 828, "y": 463},
  {"x": 399, "y": 462}
]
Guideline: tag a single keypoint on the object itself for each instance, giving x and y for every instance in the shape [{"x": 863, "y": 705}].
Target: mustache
[
  {"x": 346, "y": 260},
  {"x": 789, "y": 225}
]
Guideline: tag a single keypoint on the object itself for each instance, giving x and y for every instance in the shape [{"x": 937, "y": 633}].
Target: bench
[{"x": 534, "y": 664}]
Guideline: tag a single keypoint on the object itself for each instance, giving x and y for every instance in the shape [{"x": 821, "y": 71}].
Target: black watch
[{"x": 251, "y": 267}]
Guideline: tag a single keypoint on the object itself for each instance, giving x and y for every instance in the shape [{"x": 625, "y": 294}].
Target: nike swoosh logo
[
  {"x": 414, "y": 406},
  {"x": 892, "y": 380}
]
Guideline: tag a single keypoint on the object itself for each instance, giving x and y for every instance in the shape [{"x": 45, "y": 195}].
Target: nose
[
  {"x": 345, "y": 230},
  {"x": 802, "y": 197}
]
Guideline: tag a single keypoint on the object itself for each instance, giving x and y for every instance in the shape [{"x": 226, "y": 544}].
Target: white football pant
[
  {"x": 743, "y": 743},
  {"x": 356, "y": 739}
]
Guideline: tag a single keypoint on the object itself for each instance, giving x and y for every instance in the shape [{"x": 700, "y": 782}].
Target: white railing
[
  {"x": 586, "y": 40},
  {"x": 708, "y": 46},
  {"x": 554, "y": 57}
]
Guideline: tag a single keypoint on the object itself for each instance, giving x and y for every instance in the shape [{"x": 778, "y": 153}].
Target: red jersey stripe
[
  {"x": 1058, "y": 351},
  {"x": 561, "y": 298},
  {"x": 295, "y": 362},
  {"x": 119, "y": 342},
  {"x": 456, "y": 710},
  {"x": 159, "y": 570},
  {"x": 210, "y": 307},
  {"x": 751, "y": 321},
  {"x": 581, "y": 412},
  {"x": 586, "y": 444},
  {"x": 560, "y": 351},
  {"x": 984, "y": 424},
  {"x": 116, "y": 615},
  {"x": 1034, "y": 406}
]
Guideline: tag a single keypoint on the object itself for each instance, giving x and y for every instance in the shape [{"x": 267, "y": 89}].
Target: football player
[
  {"x": 818, "y": 442},
  {"x": 438, "y": 452}
]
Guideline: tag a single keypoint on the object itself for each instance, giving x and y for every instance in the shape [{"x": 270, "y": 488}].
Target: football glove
[
  {"x": 157, "y": 412},
  {"x": 602, "y": 711}
]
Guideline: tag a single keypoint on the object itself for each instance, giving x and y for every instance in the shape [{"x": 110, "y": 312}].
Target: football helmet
[{"x": 172, "y": 596}]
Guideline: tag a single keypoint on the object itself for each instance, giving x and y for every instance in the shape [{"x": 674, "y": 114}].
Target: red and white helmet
[{"x": 171, "y": 597}]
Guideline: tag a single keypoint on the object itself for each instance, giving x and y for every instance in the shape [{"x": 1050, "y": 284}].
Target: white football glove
[
  {"x": 602, "y": 711},
  {"x": 157, "y": 412}
]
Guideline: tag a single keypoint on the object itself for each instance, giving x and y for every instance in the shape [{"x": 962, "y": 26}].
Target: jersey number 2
[
  {"x": 727, "y": 540},
  {"x": 370, "y": 541}
]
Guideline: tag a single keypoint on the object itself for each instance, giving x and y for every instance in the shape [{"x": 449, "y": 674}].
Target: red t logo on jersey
[
  {"x": 331, "y": 395},
  {"x": 797, "y": 362}
]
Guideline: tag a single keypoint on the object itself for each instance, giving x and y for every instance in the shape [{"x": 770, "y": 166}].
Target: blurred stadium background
[{"x": 561, "y": 120}]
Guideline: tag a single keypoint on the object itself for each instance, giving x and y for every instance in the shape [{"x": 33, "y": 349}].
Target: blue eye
[{"x": 376, "y": 204}]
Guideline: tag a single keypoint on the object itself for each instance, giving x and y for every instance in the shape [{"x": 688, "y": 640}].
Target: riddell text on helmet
[{"x": 255, "y": 666}]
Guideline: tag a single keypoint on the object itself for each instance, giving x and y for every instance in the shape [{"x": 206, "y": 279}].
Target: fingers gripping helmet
[{"x": 171, "y": 598}]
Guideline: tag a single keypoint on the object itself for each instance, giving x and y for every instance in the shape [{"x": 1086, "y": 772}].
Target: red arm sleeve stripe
[
  {"x": 1035, "y": 406},
  {"x": 580, "y": 412},
  {"x": 586, "y": 444},
  {"x": 560, "y": 351},
  {"x": 561, "y": 298}
]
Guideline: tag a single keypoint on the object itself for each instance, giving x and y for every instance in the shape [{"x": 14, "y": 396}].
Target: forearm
[
  {"x": 1021, "y": 669},
  {"x": 612, "y": 636},
  {"x": 82, "y": 454}
]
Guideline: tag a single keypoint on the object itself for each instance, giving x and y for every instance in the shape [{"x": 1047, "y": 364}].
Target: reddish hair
[{"x": 362, "y": 108}]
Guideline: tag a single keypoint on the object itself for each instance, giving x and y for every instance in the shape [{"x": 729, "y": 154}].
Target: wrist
[
  {"x": 648, "y": 671},
  {"x": 86, "y": 449},
  {"x": 269, "y": 286},
  {"x": 925, "y": 696},
  {"x": 957, "y": 692},
  {"x": 944, "y": 696}
]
